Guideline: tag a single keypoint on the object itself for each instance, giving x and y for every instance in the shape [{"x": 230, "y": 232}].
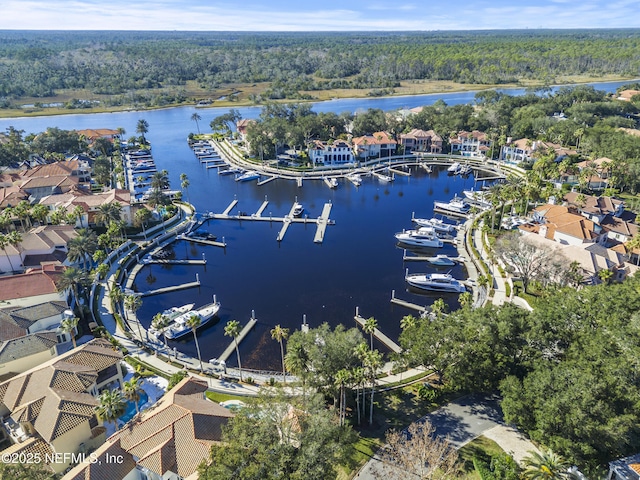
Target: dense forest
[{"x": 121, "y": 64}]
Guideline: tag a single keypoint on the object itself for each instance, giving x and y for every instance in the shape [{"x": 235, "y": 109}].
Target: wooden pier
[
  {"x": 172, "y": 288},
  {"x": 323, "y": 221},
  {"x": 230, "y": 207},
  {"x": 243, "y": 333},
  {"x": 404, "y": 303},
  {"x": 381, "y": 337}
]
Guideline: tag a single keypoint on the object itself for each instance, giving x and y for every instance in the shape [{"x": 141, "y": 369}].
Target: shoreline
[{"x": 51, "y": 112}]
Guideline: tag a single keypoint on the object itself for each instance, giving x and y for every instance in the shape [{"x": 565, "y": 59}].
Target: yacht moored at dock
[
  {"x": 441, "y": 260},
  {"x": 297, "y": 209},
  {"x": 171, "y": 314},
  {"x": 355, "y": 179},
  {"x": 422, "y": 237},
  {"x": 454, "y": 168},
  {"x": 179, "y": 328},
  {"x": 457, "y": 205},
  {"x": 435, "y": 282},
  {"x": 246, "y": 176},
  {"x": 438, "y": 225}
]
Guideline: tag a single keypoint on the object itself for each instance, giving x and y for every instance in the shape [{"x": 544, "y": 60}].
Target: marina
[
  {"x": 172, "y": 288},
  {"x": 241, "y": 336},
  {"x": 378, "y": 335}
]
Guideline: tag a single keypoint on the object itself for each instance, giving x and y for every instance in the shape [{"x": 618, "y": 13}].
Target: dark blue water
[{"x": 357, "y": 265}]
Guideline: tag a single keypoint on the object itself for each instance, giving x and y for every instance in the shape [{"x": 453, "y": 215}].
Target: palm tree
[
  {"x": 133, "y": 303},
  {"x": 359, "y": 377},
  {"x": 232, "y": 329},
  {"x": 39, "y": 213},
  {"x": 116, "y": 296},
  {"x": 21, "y": 210},
  {"x": 71, "y": 278},
  {"x": 184, "y": 183},
  {"x": 141, "y": 217},
  {"x": 545, "y": 466},
  {"x": 109, "y": 213},
  {"x": 342, "y": 378},
  {"x": 279, "y": 334},
  {"x": 298, "y": 362},
  {"x": 131, "y": 390},
  {"x": 111, "y": 405},
  {"x": 605, "y": 275},
  {"x": 4, "y": 243},
  {"x": 142, "y": 127},
  {"x": 161, "y": 322},
  {"x": 82, "y": 247},
  {"x": 407, "y": 322},
  {"x": 196, "y": 118},
  {"x": 68, "y": 325},
  {"x": 632, "y": 245},
  {"x": 372, "y": 363},
  {"x": 465, "y": 299},
  {"x": 370, "y": 325},
  {"x": 78, "y": 212},
  {"x": 193, "y": 322},
  {"x": 160, "y": 180}
]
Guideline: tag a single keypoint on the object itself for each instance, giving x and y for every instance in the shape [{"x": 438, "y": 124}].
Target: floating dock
[
  {"x": 201, "y": 241},
  {"x": 381, "y": 337},
  {"x": 299, "y": 181},
  {"x": 172, "y": 288},
  {"x": 175, "y": 262},
  {"x": 400, "y": 172},
  {"x": 404, "y": 303},
  {"x": 230, "y": 207},
  {"x": 285, "y": 225},
  {"x": 328, "y": 182},
  {"x": 261, "y": 209},
  {"x": 449, "y": 213},
  {"x": 418, "y": 258},
  {"x": 247, "y": 328},
  {"x": 323, "y": 221},
  {"x": 267, "y": 180}
]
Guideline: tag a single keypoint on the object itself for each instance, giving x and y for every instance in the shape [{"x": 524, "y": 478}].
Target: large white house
[{"x": 330, "y": 153}]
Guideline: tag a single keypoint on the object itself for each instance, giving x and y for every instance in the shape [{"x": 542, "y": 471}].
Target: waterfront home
[
  {"x": 517, "y": 151},
  {"x": 376, "y": 145},
  {"x": 90, "y": 203},
  {"x": 168, "y": 441},
  {"x": 39, "y": 187},
  {"x": 557, "y": 223},
  {"x": 92, "y": 134},
  {"x": 421, "y": 141},
  {"x": 337, "y": 152},
  {"x": 32, "y": 287},
  {"x": 70, "y": 168},
  {"x": 626, "y": 95},
  {"x": 45, "y": 244},
  {"x": 595, "y": 208},
  {"x": 51, "y": 408},
  {"x": 470, "y": 144},
  {"x": 17, "y": 355},
  {"x": 242, "y": 126}
]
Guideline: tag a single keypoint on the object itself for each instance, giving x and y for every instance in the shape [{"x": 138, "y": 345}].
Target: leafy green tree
[{"x": 111, "y": 406}]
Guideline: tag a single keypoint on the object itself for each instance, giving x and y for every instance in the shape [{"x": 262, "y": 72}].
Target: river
[{"x": 358, "y": 264}]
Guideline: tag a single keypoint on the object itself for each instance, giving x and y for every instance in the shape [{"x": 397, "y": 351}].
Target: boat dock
[
  {"x": 327, "y": 181},
  {"x": 381, "y": 337},
  {"x": 404, "y": 303},
  {"x": 202, "y": 241},
  {"x": 267, "y": 180},
  {"x": 230, "y": 207},
  {"x": 285, "y": 225},
  {"x": 171, "y": 288},
  {"x": 299, "y": 181},
  {"x": 449, "y": 213},
  {"x": 175, "y": 262},
  {"x": 243, "y": 333},
  {"x": 399, "y": 172},
  {"x": 262, "y": 207},
  {"x": 418, "y": 258},
  {"x": 323, "y": 221}
]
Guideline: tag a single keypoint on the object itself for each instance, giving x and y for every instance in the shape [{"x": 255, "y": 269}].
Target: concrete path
[
  {"x": 462, "y": 421},
  {"x": 511, "y": 441}
]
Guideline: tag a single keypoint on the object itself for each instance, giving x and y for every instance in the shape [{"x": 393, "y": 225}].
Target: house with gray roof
[{"x": 51, "y": 407}]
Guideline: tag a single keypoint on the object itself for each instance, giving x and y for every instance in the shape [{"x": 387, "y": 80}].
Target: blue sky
[{"x": 319, "y": 15}]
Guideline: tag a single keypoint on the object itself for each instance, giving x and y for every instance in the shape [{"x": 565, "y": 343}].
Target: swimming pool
[{"x": 130, "y": 412}]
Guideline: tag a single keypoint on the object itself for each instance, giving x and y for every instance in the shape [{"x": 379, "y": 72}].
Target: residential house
[
  {"x": 421, "y": 141},
  {"x": 557, "y": 223},
  {"x": 45, "y": 244},
  {"x": 91, "y": 203},
  {"x": 626, "y": 95},
  {"x": 168, "y": 441},
  {"x": 242, "y": 126},
  {"x": 374, "y": 146},
  {"x": 52, "y": 406},
  {"x": 71, "y": 168},
  {"x": 598, "y": 180},
  {"x": 39, "y": 187},
  {"x": 42, "y": 317},
  {"x": 625, "y": 468},
  {"x": 337, "y": 152},
  {"x": 17, "y": 355},
  {"x": 517, "y": 151},
  {"x": 92, "y": 134},
  {"x": 11, "y": 196},
  {"x": 32, "y": 287},
  {"x": 595, "y": 208},
  {"x": 470, "y": 144}
]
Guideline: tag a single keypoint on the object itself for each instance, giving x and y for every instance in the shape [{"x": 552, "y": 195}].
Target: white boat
[
  {"x": 441, "y": 260},
  {"x": 479, "y": 197},
  {"x": 297, "y": 209},
  {"x": 331, "y": 182},
  {"x": 464, "y": 170},
  {"x": 419, "y": 238},
  {"x": 383, "y": 178},
  {"x": 436, "y": 282},
  {"x": 172, "y": 313},
  {"x": 246, "y": 176},
  {"x": 456, "y": 205},
  {"x": 179, "y": 328},
  {"x": 454, "y": 168},
  {"x": 230, "y": 171},
  {"x": 438, "y": 225},
  {"x": 355, "y": 179}
]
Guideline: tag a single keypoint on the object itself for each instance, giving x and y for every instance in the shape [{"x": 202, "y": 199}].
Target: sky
[{"x": 317, "y": 15}]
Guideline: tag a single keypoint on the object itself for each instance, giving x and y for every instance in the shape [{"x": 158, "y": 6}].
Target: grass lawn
[
  {"x": 481, "y": 448},
  {"x": 222, "y": 397}
]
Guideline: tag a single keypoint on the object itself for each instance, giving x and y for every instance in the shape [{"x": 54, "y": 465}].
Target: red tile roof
[{"x": 30, "y": 284}]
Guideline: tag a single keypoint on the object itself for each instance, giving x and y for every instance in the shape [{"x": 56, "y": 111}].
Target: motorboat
[
  {"x": 438, "y": 225},
  {"x": 331, "y": 182},
  {"x": 297, "y": 209},
  {"x": 230, "y": 171},
  {"x": 420, "y": 238},
  {"x": 246, "y": 176},
  {"x": 179, "y": 328},
  {"x": 355, "y": 179},
  {"x": 479, "y": 197},
  {"x": 436, "y": 282},
  {"x": 464, "y": 170},
  {"x": 454, "y": 168},
  {"x": 441, "y": 260},
  {"x": 384, "y": 178},
  {"x": 456, "y": 205},
  {"x": 202, "y": 235},
  {"x": 171, "y": 314}
]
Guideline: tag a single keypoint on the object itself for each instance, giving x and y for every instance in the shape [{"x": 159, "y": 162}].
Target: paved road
[{"x": 462, "y": 421}]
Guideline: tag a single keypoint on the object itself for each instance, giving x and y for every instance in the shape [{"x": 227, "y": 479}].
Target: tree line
[{"x": 125, "y": 64}]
